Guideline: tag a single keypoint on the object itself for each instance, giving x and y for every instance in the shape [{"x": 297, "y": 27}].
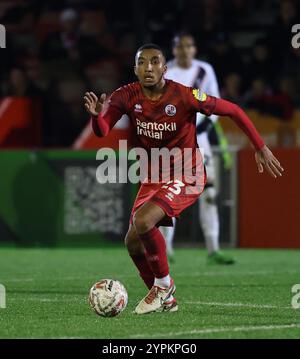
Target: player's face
[
  {"x": 185, "y": 51},
  {"x": 150, "y": 67}
]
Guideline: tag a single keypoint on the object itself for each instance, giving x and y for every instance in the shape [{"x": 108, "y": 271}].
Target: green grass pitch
[{"x": 47, "y": 295}]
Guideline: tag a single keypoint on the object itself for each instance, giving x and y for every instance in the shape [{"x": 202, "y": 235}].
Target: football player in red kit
[{"x": 162, "y": 114}]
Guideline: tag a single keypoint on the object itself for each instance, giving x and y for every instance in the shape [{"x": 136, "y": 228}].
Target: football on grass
[{"x": 108, "y": 297}]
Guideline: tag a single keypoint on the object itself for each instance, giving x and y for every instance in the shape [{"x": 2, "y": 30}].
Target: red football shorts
[{"x": 173, "y": 197}]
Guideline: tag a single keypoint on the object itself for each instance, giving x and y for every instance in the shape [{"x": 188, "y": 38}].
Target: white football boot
[
  {"x": 169, "y": 306},
  {"x": 155, "y": 299}
]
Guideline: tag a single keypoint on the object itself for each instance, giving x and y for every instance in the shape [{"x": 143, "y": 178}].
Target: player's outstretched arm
[{"x": 263, "y": 156}]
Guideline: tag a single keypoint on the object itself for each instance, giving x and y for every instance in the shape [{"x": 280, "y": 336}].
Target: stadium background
[
  {"x": 49, "y": 197},
  {"x": 57, "y": 50}
]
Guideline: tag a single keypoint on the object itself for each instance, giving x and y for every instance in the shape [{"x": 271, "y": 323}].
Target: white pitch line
[
  {"x": 51, "y": 300},
  {"x": 246, "y": 305},
  {"x": 234, "y": 273},
  {"x": 17, "y": 280},
  {"x": 68, "y": 338},
  {"x": 219, "y": 304},
  {"x": 116, "y": 276},
  {"x": 217, "y": 330},
  {"x": 86, "y": 277}
]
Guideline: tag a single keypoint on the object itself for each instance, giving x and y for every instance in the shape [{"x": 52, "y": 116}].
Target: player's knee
[
  {"x": 127, "y": 240},
  {"x": 143, "y": 223},
  {"x": 132, "y": 243}
]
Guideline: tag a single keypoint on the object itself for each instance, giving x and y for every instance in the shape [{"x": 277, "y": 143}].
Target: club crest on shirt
[
  {"x": 170, "y": 110},
  {"x": 138, "y": 108},
  {"x": 199, "y": 95}
]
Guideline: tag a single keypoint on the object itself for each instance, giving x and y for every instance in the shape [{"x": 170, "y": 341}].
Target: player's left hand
[{"x": 266, "y": 160}]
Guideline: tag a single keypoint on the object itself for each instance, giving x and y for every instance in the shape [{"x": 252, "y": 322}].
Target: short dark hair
[
  {"x": 179, "y": 35},
  {"x": 150, "y": 46}
]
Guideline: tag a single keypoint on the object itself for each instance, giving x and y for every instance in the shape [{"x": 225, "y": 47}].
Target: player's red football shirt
[{"x": 170, "y": 121}]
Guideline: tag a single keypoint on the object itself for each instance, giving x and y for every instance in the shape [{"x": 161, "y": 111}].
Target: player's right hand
[{"x": 93, "y": 104}]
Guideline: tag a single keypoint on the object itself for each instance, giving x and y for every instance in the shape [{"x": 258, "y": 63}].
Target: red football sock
[
  {"x": 145, "y": 271},
  {"x": 156, "y": 255}
]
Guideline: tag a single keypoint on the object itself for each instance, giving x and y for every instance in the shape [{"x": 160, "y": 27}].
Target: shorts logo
[
  {"x": 153, "y": 258},
  {"x": 2, "y": 296},
  {"x": 199, "y": 95},
  {"x": 138, "y": 108},
  {"x": 170, "y": 110}
]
